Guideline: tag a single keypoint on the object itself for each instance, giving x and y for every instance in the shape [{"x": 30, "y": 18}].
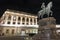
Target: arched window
[
  {"x": 27, "y": 19},
  {"x": 13, "y": 22},
  {"x": 27, "y": 23},
  {"x": 31, "y": 20},
  {"x": 18, "y": 22},
  {"x": 9, "y": 17},
  {"x": 7, "y": 31},
  {"x": 14, "y": 18},
  {"x": 23, "y": 23},
  {"x": 19, "y": 18},
  {"x": 23, "y": 19},
  {"x": 12, "y": 31},
  {"x": 8, "y": 22},
  {"x": 31, "y": 30}
]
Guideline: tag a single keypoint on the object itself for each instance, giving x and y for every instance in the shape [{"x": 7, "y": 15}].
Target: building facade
[
  {"x": 13, "y": 23},
  {"x": 58, "y": 29}
]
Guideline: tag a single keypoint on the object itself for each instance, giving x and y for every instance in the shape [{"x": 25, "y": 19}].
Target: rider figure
[
  {"x": 43, "y": 8},
  {"x": 43, "y": 5}
]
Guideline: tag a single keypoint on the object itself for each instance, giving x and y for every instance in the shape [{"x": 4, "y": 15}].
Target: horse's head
[{"x": 49, "y": 4}]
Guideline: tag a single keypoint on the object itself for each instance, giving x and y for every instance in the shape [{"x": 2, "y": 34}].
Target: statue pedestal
[
  {"x": 47, "y": 23},
  {"x": 47, "y": 27}
]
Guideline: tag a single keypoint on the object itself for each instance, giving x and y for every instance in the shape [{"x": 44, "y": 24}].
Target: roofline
[{"x": 20, "y": 12}]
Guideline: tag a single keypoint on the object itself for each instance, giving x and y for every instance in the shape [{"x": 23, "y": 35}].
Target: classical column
[
  {"x": 11, "y": 19},
  {"x": 25, "y": 20},
  {"x": 33, "y": 21},
  {"x": 16, "y": 19},
  {"x": 29, "y": 21},
  {"x": 36, "y": 21},
  {"x": 6, "y": 19},
  {"x": 21, "y": 20}
]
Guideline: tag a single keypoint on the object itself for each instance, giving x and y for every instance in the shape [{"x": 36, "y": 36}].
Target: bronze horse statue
[{"x": 45, "y": 10}]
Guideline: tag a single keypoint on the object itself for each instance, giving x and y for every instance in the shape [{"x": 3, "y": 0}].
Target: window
[
  {"x": 9, "y": 17},
  {"x": 27, "y": 19},
  {"x": 18, "y": 18},
  {"x": 23, "y": 23},
  {"x": 12, "y": 31},
  {"x": 27, "y": 38},
  {"x": 34, "y": 30},
  {"x": 18, "y": 22},
  {"x": 13, "y": 22},
  {"x": 31, "y": 20},
  {"x": 23, "y": 19},
  {"x": 27, "y": 23},
  {"x": 31, "y": 31},
  {"x": 8, "y": 22},
  {"x": 14, "y": 18},
  {"x": 27, "y": 31},
  {"x": 7, "y": 31}
]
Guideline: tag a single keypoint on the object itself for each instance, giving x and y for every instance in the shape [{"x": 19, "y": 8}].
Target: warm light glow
[
  {"x": 16, "y": 21},
  {"x": 57, "y": 26},
  {"x": 19, "y": 25}
]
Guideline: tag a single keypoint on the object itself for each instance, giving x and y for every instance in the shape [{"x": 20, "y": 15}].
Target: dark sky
[{"x": 32, "y": 6}]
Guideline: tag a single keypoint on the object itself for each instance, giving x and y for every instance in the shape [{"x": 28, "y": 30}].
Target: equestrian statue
[{"x": 45, "y": 10}]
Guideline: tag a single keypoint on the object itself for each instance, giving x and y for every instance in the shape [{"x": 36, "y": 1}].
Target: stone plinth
[
  {"x": 47, "y": 29},
  {"x": 47, "y": 23}
]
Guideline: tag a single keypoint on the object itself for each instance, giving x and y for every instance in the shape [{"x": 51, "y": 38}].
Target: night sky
[{"x": 31, "y": 6}]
